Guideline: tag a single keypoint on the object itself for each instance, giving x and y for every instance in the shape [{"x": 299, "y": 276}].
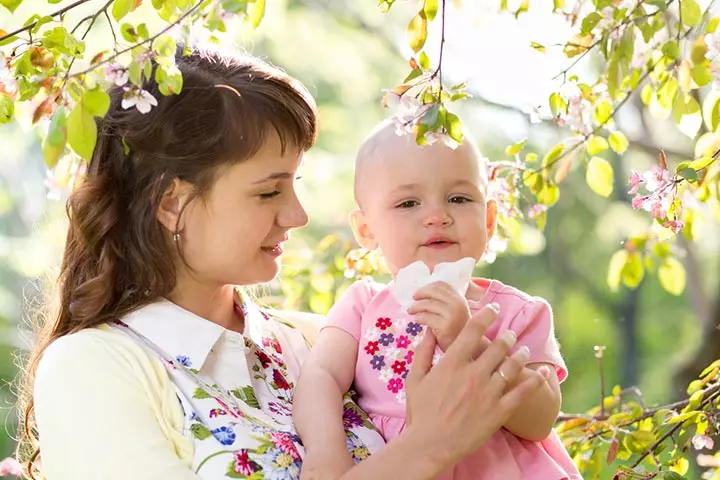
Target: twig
[
  {"x": 55, "y": 14},
  {"x": 112, "y": 29},
  {"x": 599, "y": 357},
  {"x": 660, "y": 440},
  {"x": 148, "y": 40},
  {"x": 442, "y": 50}
]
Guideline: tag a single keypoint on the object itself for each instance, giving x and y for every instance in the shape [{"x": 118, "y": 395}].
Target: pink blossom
[
  {"x": 536, "y": 210},
  {"x": 635, "y": 180},
  {"x": 639, "y": 202},
  {"x": 10, "y": 466},
  {"x": 656, "y": 178},
  {"x": 117, "y": 74},
  {"x": 702, "y": 441},
  {"x": 139, "y": 98}
]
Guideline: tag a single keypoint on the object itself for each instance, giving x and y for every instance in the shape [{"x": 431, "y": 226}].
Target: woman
[{"x": 155, "y": 366}]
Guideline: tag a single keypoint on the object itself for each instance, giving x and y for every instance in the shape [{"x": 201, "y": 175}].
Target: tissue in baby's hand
[{"x": 416, "y": 275}]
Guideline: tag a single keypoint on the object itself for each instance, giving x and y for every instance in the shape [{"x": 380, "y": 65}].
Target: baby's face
[{"x": 425, "y": 203}]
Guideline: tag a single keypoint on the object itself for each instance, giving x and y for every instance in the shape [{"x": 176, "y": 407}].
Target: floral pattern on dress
[
  {"x": 250, "y": 434},
  {"x": 389, "y": 345}
]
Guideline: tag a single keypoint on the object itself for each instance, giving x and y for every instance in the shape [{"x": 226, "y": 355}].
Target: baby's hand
[
  {"x": 326, "y": 466},
  {"x": 442, "y": 309}
]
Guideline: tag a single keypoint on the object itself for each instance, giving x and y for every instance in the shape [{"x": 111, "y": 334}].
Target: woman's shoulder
[{"x": 93, "y": 351}]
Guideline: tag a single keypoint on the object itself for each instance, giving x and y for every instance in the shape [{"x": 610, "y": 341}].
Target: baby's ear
[
  {"x": 361, "y": 230},
  {"x": 491, "y": 217}
]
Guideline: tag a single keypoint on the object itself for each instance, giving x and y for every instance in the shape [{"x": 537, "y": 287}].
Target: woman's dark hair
[{"x": 117, "y": 256}]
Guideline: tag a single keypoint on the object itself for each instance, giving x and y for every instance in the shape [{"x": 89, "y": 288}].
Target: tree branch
[{"x": 55, "y": 14}]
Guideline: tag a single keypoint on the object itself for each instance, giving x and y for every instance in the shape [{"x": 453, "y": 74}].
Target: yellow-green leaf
[
  {"x": 712, "y": 25},
  {"x": 256, "y": 12},
  {"x": 551, "y": 157},
  {"x": 617, "y": 263},
  {"x": 54, "y": 142},
  {"x": 639, "y": 441},
  {"x": 514, "y": 149},
  {"x": 618, "y": 142},
  {"x": 690, "y": 12},
  {"x": 454, "y": 127},
  {"x": 121, "y": 8},
  {"x": 549, "y": 194},
  {"x": 430, "y": 7},
  {"x": 596, "y": 145},
  {"x": 701, "y": 75},
  {"x": 81, "y": 131},
  {"x": 599, "y": 176},
  {"x": 7, "y": 108},
  {"x": 672, "y": 276},
  {"x": 711, "y": 110},
  {"x": 633, "y": 271},
  {"x": 417, "y": 32},
  {"x": 687, "y": 115},
  {"x": 96, "y": 102},
  {"x": 538, "y": 47},
  {"x": 603, "y": 112},
  {"x": 557, "y": 104},
  {"x": 164, "y": 46}
]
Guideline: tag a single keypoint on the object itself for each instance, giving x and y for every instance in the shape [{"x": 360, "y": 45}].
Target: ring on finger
[{"x": 502, "y": 375}]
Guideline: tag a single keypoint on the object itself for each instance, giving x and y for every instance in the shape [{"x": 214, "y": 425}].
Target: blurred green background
[{"x": 347, "y": 52}]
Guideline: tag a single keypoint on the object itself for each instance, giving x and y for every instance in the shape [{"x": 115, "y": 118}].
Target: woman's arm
[
  {"x": 318, "y": 403},
  {"x": 99, "y": 415},
  {"x": 453, "y": 407}
]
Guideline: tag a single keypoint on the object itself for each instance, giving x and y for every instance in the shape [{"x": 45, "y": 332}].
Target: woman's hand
[
  {"x": 439, "y": 307},
  {"x": 454, "y": 407}
]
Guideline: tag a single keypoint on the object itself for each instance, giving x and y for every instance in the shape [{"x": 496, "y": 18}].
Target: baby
[{"x": 425, "y": 204}]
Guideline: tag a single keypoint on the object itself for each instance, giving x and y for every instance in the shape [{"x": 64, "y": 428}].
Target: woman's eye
[
  {"x": 460, "y": 199},
  {"x": 407, "y": 204},
  {"x": 269, "y": 194}
]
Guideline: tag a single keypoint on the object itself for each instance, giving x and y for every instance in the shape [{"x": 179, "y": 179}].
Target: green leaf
[
  {"x": 618, "y": 142},
  {"x": 11, "y": 5},
  {"x": 135, "y": 73},
  {"x": 164, "y": 45},
  {"x": 701, "y": 75},
  {"x": 168, "y": 83},
  {"x": 430, "y": 8},
  {"x": 82, "y": 131},
  {"x": 633, "y": 271},
  {"x": 454, "y": 127},
  {"x": 201, "y": 394},
  {"x": 250, "y": 398},
  {"x": 668, "y": 475},
  {"x": 557, "y": 104},
  {"x": 128, "y": 32},
  {"x": 200, "y": 431},
  {"x": 599, "y": 176},
  {"x": 647, "y": 93},
  {"x": 687, "y": 115},
  {"x": 121, "y": 8},
  {"x": 590, "y": 22},
  {"x": 639, "y": 441},
  {"x": 7, "y": 108},
  {"x": 603, "y": 112},
  {"x": 551, "y": 157},
  {"x": 96, "y": 102},
  {"x": 549, "y": 194},
  {"x": 514, "y": 149},
  {"x": 617, "y": 264},
  {"x": 54, "y": 143},
  {"x": 671, "y": 50},
  {"x": 596, "y": 145},
  {"x": 667, "y": 93},
  {"x": 712, "y": 25},
  {"x": 672, "y": 276},
  {"x": 417, "y": 32},
  {"x": 688, "y": 174},
  {"x": 256, "y": 12},
  {"x": 414, "y": 73},
  {"x": 690, "y": 12},
  {"x": 702, "y": 163},
  {"x": 537, "y": 46},
  {"x": 424, "y": 61},
  {"x": 62, "y": 40},
  {"x": 711, "y": 110}
]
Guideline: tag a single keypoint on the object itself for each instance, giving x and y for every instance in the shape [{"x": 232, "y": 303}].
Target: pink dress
[{"x": 386, "y": 338}]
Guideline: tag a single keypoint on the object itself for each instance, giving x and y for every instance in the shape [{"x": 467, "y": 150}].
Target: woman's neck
[{"x": 215, "y": 304}]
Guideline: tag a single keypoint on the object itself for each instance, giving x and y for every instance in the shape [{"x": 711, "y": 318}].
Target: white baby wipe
[{"x": 416, "y": 275}]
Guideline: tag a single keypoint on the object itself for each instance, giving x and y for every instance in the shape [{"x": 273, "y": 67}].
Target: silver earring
[{"x": 176, "y": 237}]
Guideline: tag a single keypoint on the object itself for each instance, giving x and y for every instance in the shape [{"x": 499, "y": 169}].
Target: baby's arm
[
  {"x": 318, "y": 404},
  {"x": 536, "y": 416}
]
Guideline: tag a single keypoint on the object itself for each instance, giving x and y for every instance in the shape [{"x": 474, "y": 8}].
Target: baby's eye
[
  {"x": 460, "y": 199},
  {"x": 407, "y": 204}
]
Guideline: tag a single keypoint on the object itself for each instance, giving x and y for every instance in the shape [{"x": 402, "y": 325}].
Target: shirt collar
[{"x": 186, "y": 337}]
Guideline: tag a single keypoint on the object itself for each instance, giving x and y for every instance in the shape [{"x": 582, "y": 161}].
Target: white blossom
[{"x": 140, "y": 99}]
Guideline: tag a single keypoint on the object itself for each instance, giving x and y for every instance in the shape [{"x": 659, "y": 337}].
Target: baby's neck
[{"x": 474, "y": 292}]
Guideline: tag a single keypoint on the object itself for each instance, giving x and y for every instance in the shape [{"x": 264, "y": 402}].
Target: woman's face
[{"x": 235, "y": 233}]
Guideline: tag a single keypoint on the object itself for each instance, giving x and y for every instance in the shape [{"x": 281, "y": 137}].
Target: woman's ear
[
  {"x": 361, "y": 230},
  {"x": 173, "y": 200}
]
